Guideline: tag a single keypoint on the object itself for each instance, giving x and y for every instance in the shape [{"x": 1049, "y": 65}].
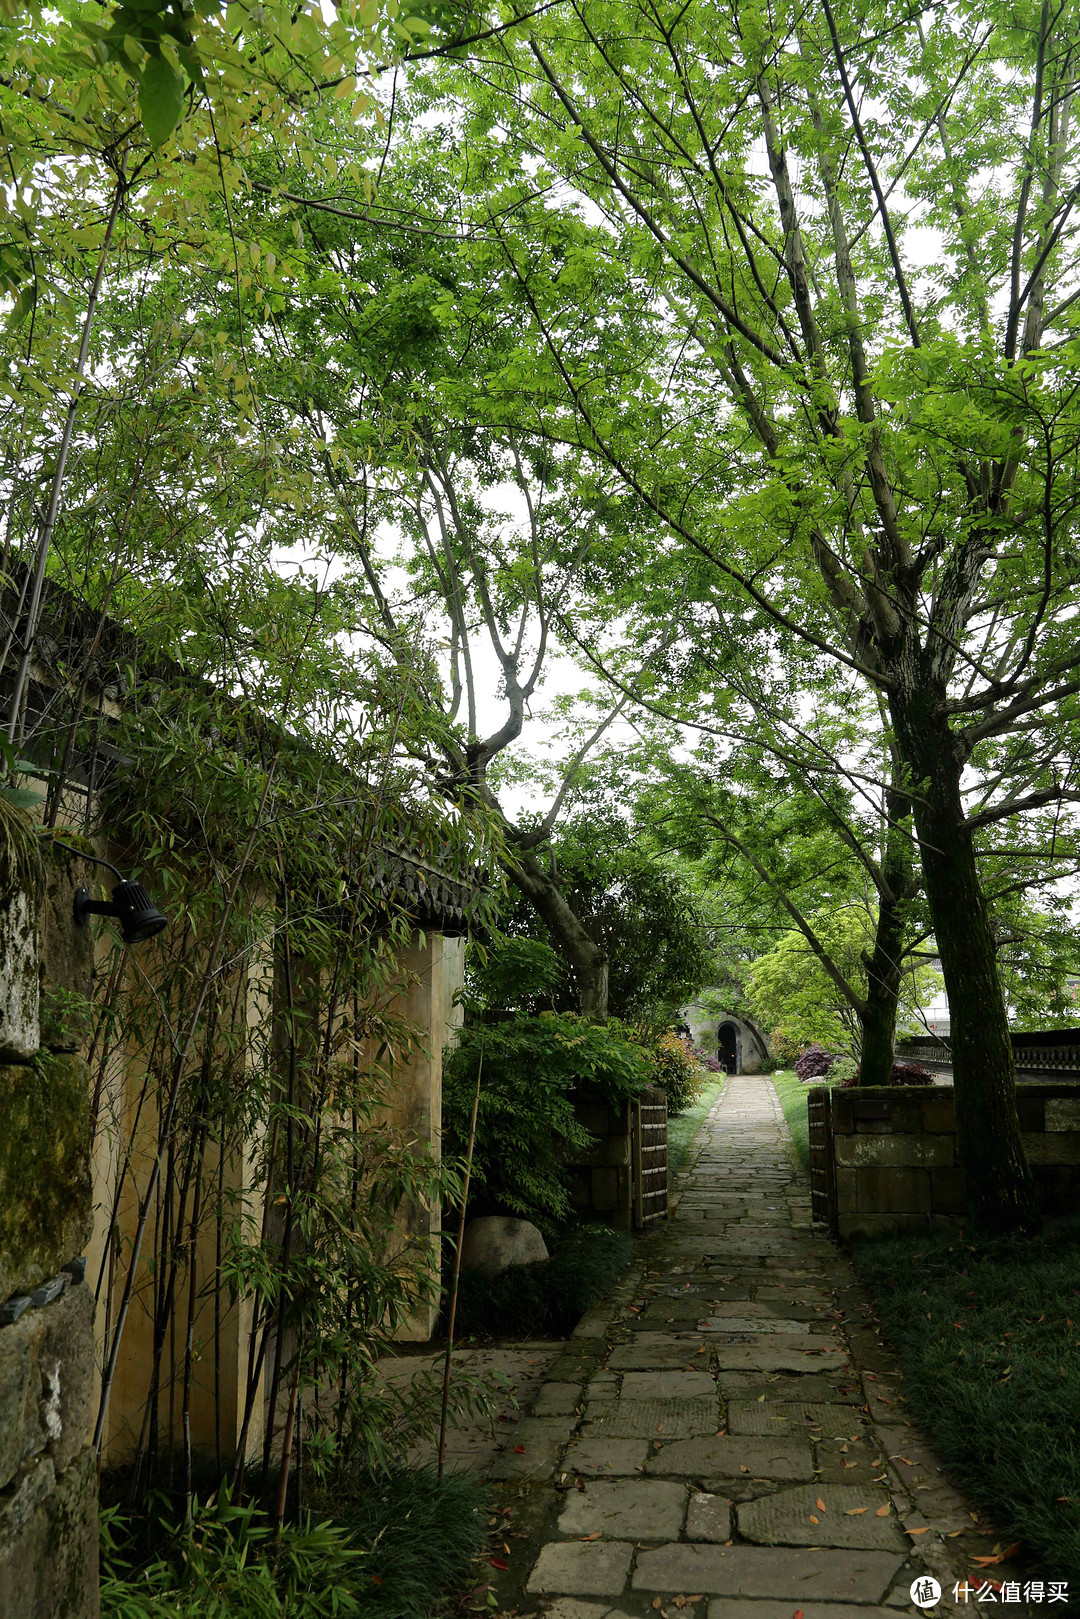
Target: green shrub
[
  {"x": 526, "y": 1132},
  {"x": 419, "y": 1534},
  {"x": 222, "y": 1564},
  {"x": 676, "y": 1069},
  {"x": 377, "y": 1546},
  {"x": 547, "y": 1298}
]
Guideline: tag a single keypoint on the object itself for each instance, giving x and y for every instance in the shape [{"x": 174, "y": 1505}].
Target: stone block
[
  {"x": 581, "y": 1568},
  {"x": 938, "y": 1112},
  {"x": 663, "y": 1419},
  {"x": 1053, "y": 1147},
  {"x": 46, "y": 1383},
  {"x": 847, "y": 1181},
  {"x": 593, "y": 1116},
  {"x": 708, "y": 1517},
  {"x": 800, "y": 1576},
  {"x": 733, "y": 1358},
  {"x": 902, "y": 1116},
  {"x": 884, "y": 1191},
  {"x": 625, "y": 1509},
  {"x": 612, "y": 1151},
  {"x": 947, "y": 1191},
  {"x": 879, "y": 1225},
  {"x": 1062, "y": 1113},
  {"x": 45, "y": 1190},
  {"x": 816, "y": 1419},
  {"x": 533, "y": 1449},
  {"x": 601, "y": 1456},
  {"x": 1031, "y": 1108},
  {"x": 604, "y": 1188},
  {"x": 898, "y": 1151},
  {"x": 496, "y": 1241},
  {"x": 734, "y": 1457},
  {"x": 20, "y": 984},
  {"x": 667, "y": 1385},
  {"x": 839, "y": 1105},
  {"x": 794, "y": 1518},
  {"x": 556, "y": 1400},
  {"x": 49, "y": 1544}
]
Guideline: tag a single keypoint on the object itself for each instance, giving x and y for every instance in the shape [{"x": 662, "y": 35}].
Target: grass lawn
[
  {"x": 988, "y": 1334},
  {"x": 792, "y": 1093},
  {"x": 683, "y": 1127}
]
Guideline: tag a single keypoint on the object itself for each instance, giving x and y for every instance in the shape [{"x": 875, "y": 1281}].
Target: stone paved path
[{"x": 725, "y": 1437}]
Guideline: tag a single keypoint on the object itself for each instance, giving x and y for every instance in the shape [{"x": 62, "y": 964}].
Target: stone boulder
[{"x": 496, "y": 1241}]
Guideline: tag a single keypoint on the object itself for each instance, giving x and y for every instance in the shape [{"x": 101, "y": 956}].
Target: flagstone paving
[{"x": 725, "y": 1437}]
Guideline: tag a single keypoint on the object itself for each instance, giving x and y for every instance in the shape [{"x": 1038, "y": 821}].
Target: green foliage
[
  {"x": 419, "y": 1534},
  {"x": 683, "y": 1128},
  {"x": 531, "y": 1070},
  {"x": 380, "y": 1546},
  {"x": 640, "y": 907},
  {"x": 791, "y": 993},
  {"x": 986, "y": 1336},
  {"x": 546, "y": 1299},
  {"x": 222, "y": 1562},
  {"x": 674, "y": 1068}
]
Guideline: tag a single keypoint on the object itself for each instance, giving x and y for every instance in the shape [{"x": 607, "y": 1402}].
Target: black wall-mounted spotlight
[{"x": 131, "y": 905}]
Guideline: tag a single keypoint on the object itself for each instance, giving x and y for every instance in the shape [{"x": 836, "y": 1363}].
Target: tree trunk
[
  {"x": 883, "y": 964},
  {"x": 587, "y": 960},
  {"x": 997, "y": 1179}
]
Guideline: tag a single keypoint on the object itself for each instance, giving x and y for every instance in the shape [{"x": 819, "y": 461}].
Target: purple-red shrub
[
  {"x": 903, "y": 1073},
  {"x": 814, "y": 1063}
]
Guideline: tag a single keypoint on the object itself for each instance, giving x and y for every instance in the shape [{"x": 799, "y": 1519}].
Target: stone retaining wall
[
  {"x": 48, "y": 1476},
  {"x": 886, "y": 1159},
  {"x": 601, "y": 1182}
]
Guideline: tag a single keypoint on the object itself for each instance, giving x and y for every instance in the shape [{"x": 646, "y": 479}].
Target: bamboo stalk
[{"x": 452, "y": 1313}]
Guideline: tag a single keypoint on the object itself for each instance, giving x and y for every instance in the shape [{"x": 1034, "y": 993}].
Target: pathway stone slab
[
  {"x": 600, "y": 1456},
  {"x": 676, "y": 1385},
  {"x": 758, "y": 1571},
  {"x": 582, "y": 1568},
  {"x": 625, "y": 1509},
  {"x": 790, "y": 1417},
  {"x": 795, "y": 1518},
  {"x": 661, "y": 1353},
  {"x": 708, "y": 1517},
  {"x": 730, "y": 1457},
  {"x": 754, "y": 1358},
  {"x": 778, "y": 1387},
  {"x": 541, "y": 1439},
  {"x": 663, "y": 1419},
  {"x": 557, "y": 1400},
  {"x": 726, "y": 1609}
]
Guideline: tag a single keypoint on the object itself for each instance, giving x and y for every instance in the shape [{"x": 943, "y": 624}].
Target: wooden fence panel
[
  {"x": 817, "y": 1103},
  {"x": 650, "y": 1172}
]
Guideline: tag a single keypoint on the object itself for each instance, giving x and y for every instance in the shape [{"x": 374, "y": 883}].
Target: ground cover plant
[
  {"x": 546, "y": 1299},
  {"x": 987, "y": 1333},
  {"x": 792, "y": 1092},
  {"x": 683, "y": 1127},
  {"x": 382, "y": 1546},
  {"x": 531, "y": 1071}
]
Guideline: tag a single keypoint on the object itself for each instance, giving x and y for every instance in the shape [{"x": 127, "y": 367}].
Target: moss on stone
[{"x": 45, "y": 1188}]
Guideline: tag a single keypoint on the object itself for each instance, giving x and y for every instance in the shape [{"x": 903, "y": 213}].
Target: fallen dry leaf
[
  {"x": 743, "y": 1469},
  {"x": 854, "y": 1512},
  {"x": 813, "y": 1519},
  {"x": 883, "y": 1512},
  {"x": 821, "y": 1505},
  {"x": 498, "y": 1562},
  {"x": 985, "y": 1562},
  {"x": 924, "y": 1531},
  {"x": 594, "y": 1536},
  {"x": 657, "y": 1602},
  {"x": 520, "y": 1449}
]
